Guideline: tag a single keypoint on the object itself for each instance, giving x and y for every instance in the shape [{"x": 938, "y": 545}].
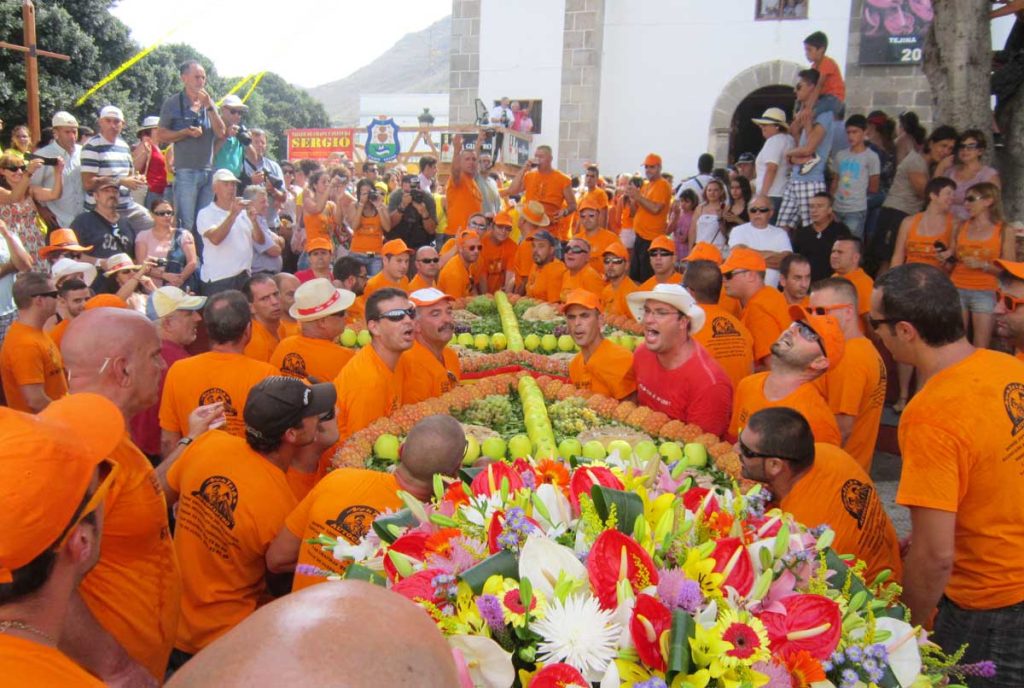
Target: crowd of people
[{"x": 171, "y": 316}]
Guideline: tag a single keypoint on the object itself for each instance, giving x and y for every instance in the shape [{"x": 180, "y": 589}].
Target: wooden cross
[{"x": 28, "y": 14}]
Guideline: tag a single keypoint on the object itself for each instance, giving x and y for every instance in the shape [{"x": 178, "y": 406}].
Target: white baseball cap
[
  {"x": 224, "y": 175},
  {"x": 151, "y": 122},
  {"x": 168, "y": 299},
  {"x": 428, "y": 297},
  {"x": 319, "y": 298},
  {"x": 63, "y": 119},
  {"x": 233, "y": 101},
  {"x": 112, "y": 111}
]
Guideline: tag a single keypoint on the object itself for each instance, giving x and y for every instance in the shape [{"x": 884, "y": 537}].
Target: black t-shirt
[
  {"x": 106, "y": 239},
  {"x": 817, "y": 248},
  {"x": 410, "y": 228}
]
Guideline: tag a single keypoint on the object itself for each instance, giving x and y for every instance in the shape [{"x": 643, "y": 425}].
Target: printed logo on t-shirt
[
  {"x": 354, "y": 521},
  {"x": 722, "y": 327},
  {"x": 216, "y": 394},
  {"x": 221, "y": 496},
  {"x": 855, "y": 496},
  {"x": 1013, "y": 399},
  {"x": 294, "y": 364}
]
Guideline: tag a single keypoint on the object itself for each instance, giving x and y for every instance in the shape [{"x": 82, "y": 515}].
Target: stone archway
[{"x": 774, "y": 73}]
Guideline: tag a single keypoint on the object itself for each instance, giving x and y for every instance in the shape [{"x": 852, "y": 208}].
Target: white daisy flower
[{"x": 580, "y": 633}]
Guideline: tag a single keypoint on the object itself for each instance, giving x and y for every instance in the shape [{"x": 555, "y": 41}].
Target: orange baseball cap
[
  {"x": 702, "y": 250},
  {"x": 581, "y": 297},
  {"x": 743, "y": 258},
  {"x": 105, "y": 301},
  {"x": 395, "y": 247},
  {"x": 503, "y": 219},
  {"x": 662, "y": 243},
  {"x": 47, "y": 462},
  {"x": 828, "y": 329},
  {"x": 652, "y": 159},
  {"x": 319, "y": 244},
  {"x": 467, "y": 234},
  {"x": 617, "y": 249},
  {"x": 588, "y": 204},
  {"x": 63, "y": 240},
  {"x": 1015, "y": 269}
]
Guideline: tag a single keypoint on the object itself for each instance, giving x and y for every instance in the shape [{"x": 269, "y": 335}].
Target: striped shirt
[{"x": 106, "y": 159}]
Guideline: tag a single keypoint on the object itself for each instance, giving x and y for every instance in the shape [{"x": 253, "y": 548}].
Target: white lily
[
  {"x": 542, "y": 560},
  {"x": 557, "y": 505},
  {"x": 489, "y": 665}
]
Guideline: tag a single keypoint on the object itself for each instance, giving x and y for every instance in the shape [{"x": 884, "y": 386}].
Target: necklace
[{"x": 7, "y": 625}]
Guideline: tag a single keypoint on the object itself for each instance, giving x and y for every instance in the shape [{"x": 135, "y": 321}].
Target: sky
[{"x": 308, "y": 42}]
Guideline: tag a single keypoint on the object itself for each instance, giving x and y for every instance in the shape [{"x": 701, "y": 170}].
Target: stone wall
[
  {"x": 581, "y": 84},
  {"x": 464, "y": 79}
]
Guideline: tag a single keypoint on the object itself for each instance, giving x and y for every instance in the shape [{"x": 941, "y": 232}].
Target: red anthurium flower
[
  {"x": 585, "y": 478},
  {"x": 412, "y": 544},
  {"x": 810, "y": 622},
  {"x": 558, "y": 676},
  {"x": 651, "y": 619},
  {"x": 695, "y": 496},
  {"x": 488, "y": 481},
  {"x": 733, "y": 560},
  {"x": 613, "y": 557},
  {"x": 419, "y": 586}
]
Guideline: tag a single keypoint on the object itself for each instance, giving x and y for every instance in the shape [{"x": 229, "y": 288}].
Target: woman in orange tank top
[
  {"x": 979, "y": 242},
  {"x": 925, "y": 238},
  {"x": 369, "y": 221}
]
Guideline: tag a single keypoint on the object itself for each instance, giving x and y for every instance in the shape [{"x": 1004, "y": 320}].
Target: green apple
[
  {"x": 671, "y": 451},
  {"x": 566, "y": 343},
  {"x": 386, "y": 447},
  {"x": 454, "y": 340},
  {"x": 594, "y": 451},
  {"x": 493, "y": 448},
  {"x": 532, "y": 342},
  {"x": 637, "y": 341},
  {"x": 696, "y": 455},
  {"x": 621, "y": 446},
  {"x": 466, "y": 339},
  {"x": 549, "y": 342},
  {"x": 519, "y": 446},
  {"x": 498, "y": 341},
  {"x": 570, "y": 447},
  {"x": 472, "y": 451},
  {"x": 626, "y": 342},
  {"x": 348, "y": 337},
  {"x": 363, "y": 338},
  {"x": 645, "y": 450},
  {"x": 481, "y": 342}
]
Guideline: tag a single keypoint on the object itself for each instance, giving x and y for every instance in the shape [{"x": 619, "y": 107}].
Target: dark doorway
[{"x": 745, "y": 136}]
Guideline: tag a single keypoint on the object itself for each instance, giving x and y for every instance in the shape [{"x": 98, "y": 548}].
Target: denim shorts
[{"x": 977, "y": 300}]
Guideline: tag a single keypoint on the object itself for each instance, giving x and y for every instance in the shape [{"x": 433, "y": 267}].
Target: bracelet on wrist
[{"x": 184, "y": 441}]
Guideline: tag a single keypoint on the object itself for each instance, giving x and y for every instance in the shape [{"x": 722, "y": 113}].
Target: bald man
[
  {"x": 395, "y": 644},
  {"x": 428, "y": 267},
  {"x": 344, "y": 504}
]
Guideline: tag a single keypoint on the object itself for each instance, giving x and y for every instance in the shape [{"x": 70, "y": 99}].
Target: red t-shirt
[
  {"x": 696, "y": 392},
  {"x": 145, "y": 425}
]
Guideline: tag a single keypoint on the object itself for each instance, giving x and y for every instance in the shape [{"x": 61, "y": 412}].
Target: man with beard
[
  {"x": 618, "y": 285},
  {"x": 578, "y": 273},
  {"x": 430, "y": 368},
  {"x": 601, "y": 366},
  {"x": 675, "y": 374},
  {"x": 264, "y": 298},
  {"x": 427, "y": 263},
  {"x": 351, "y": 273},
  {"x": 314, "y": 353},
  {"x": 803, "y": 352},
  {"x": 545, "y": 281}
]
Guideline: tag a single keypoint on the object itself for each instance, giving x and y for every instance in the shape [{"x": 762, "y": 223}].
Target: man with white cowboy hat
[
  {"x": 532, "y": 219},
  {"x": 771, "y": 165},
  {"x": 106, "y": 155},
  {"x": 319, "y": 309},
  {"x": 64, "y": 147},
  {"x": 229, "y": 151},
  {"x": 431, "y": 367},
  {"x": 149, "y": 161},
  {"x": 675, "y": 374}
]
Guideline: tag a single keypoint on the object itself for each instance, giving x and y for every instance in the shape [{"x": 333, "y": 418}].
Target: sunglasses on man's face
[
  {"x": 825, "y": 310},
  {"x": 807, "y": 332},
  {"x": 398, "y": 314},
  {"x": 614, "y": 261},
  {"x": 1010, "y": 303},
  {"x": 759, "y": 210},
  {"x": 575, "y": 249},
  {"x": 748, "y": 453},
  {"x": 660, "y": 254},
  {"x": 428, "y": 261}
]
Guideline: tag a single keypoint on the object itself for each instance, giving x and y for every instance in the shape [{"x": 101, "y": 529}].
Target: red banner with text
[{"x": 318, "y": 144}]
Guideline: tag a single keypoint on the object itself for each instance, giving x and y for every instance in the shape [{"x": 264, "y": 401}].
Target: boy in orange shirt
[
  {"x": 30, "y": 363},
  {"x": 830, "y": 93},
  {"x": 601, "y": 366},
  {"x": 395, "y": 270},
  {"x": 319, "y": 309},
  {"x": 430, "y": 368}
]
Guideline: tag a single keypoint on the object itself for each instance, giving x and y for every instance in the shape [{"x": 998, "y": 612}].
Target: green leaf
[
  {"x": 682, "y": 630},
  {"x": 504, "y": 563},
  {"x": 467, "y": 474},
  {"x": 358, "y": 572},
  {"x": 627, "y": 506},
  {"x": 400, "y": 519},
  {"x": 766, "y": 558}
]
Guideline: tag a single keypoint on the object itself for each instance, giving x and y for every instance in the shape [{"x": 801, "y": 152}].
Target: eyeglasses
[
  {"x": 748, "y": 453},
  {"x": 428, "y": 260},
  {"x": 661, "y": 314},
  {"x": 474, "y": 249},
  {"x": 825, "y": 310},
  {"x": 732, "y": 273},
  {"x": 47, "y": 294},
  {"x": 660, "y": 254},
  {"x": 108, "y": 470},
  {"x": 759, "y": 210},
  {"x": 163, "y": 213},
  {"x": 878, "y": 322},
  {"x": 1010, "y": 303},
  {"x": 575, "y": 249},
  {"x": 972, "y": 146},
  {"x": 398, "y": 314},
  {"x": 614, "y": 261}
]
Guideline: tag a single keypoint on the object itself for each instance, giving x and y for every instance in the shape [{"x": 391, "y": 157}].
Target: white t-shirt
[
  {"x": 231, "y": 256},
  {"x": 497, "y": 113},
  {"x": 774, "y": 150},
  {"x": 771, "y": 238}
]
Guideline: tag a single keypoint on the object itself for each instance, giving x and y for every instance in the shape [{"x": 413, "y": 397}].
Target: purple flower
[
  {"x": 984, "y": 669},
  {"x": 848, "y": 679},
  {"x": 653, "y": 682},
  {"x": 529, "y": 479},
  {"x": 677, "y": 591},
  {"x": 490, "y": 609},
  {"x": 310, "y": 570}
]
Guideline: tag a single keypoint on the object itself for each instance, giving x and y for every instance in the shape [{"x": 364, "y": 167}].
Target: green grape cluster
[
  {"x": 570, "y": 417},
  {"x": 491, "y": 412}
]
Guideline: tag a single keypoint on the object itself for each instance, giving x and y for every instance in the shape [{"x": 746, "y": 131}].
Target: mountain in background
[{"x": 417, "y": 63}]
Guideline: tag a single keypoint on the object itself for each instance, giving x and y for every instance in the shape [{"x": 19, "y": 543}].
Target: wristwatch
[{"x": 184, "y": 441}]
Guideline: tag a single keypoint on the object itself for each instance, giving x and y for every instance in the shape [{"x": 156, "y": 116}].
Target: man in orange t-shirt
[
  {"x": 495, "y": 266},
  {"x": 314, "y": 353},
  {"x": 57, "y": 462},
  {"x": 702, "y": 250},
  {"x": 650, "y": 203},
  {"x": 617, "y": 283},
  {"x": 662, "y": 252},
  {"x": 601, "y": 366},
  {"x": 854, "y": 389},
  {"x": 267, "y": 330},
  {"x": 72, "y": 295},
  {"x": 531, "y": 220},
  {"x": 1010, "y": 306},
  {"x": 394, "y": 273},
  {"x": 370, "y": 386},
  {"x": 345, "y": 503},
  {"x": 805, "y": 351},
  {"x": 232, "y": 499},
  {"x": 350, "y": 273},
  {"x": 429, "y": 367},
  {"x": 845, "y": 260},
  {"x": 593, "y": 230},
  {"x": 287, "y": 283},
  {"x": 821, "y": 485},
  {"x": 223, "y": 374},
  {"x": 727, "y": 339},
  {"x": 545, "y": 281},
  {"x": 30, "y": 363},
  {"x": 456, "y": 277},
  {"x": 539, "y": 181},
  {"x": 578, "y": 273},
  {"x": 462, "y": 195},
  {"x": 428, "y": 268},
  {"x": 765, "y": 311},
  {"x": 961, "y": 442},
  {"x": 594, "y": 195}
]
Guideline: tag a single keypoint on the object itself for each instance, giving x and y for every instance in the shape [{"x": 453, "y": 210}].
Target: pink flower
[{"x": 809, "y": 622}]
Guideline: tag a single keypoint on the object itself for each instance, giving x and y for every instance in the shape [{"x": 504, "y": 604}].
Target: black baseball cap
[
  {"x": 545, "y": 235},
  {"x": 277, "y": 403},
  {"x": 745, "y": 157}
]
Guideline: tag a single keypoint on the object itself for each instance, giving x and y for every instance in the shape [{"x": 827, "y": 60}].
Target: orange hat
[
  {"x": 828, "y": 329},
  {"x": 743, "y": 258},
  {"x": 105, "y": 301},
  {"x": 617, "y": 249},
  {"x": 588, "y": 204},
  {"x": 581, "y": 297},
  {"x": 533, "y": 212},
  {"x": 1015, "y": 269},
  {"x": 503, "y": 219},
  {"x": 662, "y": 243},
  {"x": 652, "y": 159},
  {"x": 319, "y": 244},
  {"x": 63, "y": 240},
  {"x": 47, "y": 462},
  {"x": 467, "y": 234},
  {"x": 702, "y": 250},
  {"x": 395, "y": 247}
]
